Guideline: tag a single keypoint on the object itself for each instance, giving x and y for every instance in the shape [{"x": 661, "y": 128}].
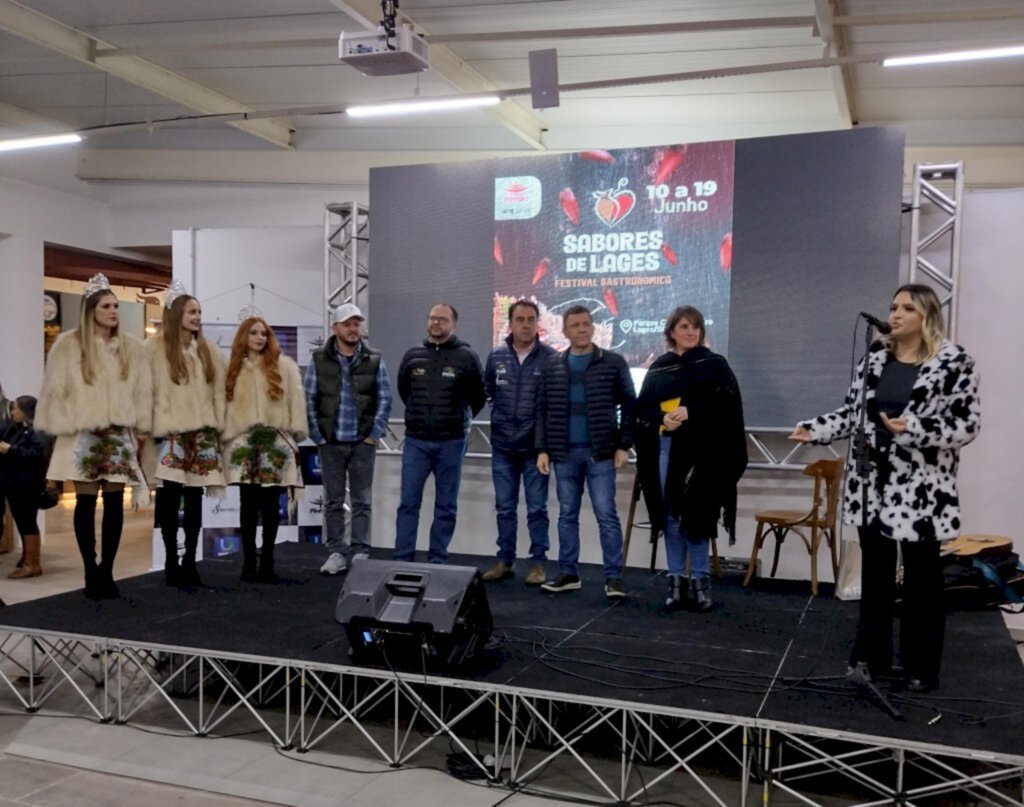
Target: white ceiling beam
[
  {"x": 834, "y": 41},
  {"x": 55, "y": 35},
  {"x": 249, "y": 167},
  {"x": 22, "y": 120},
  {"x": 513, "y": 116}
]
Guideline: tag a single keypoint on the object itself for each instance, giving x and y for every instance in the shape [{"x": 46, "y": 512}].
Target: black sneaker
[
  {"x": 564, "y": 582},
  {"x": 614, "y": 588}
]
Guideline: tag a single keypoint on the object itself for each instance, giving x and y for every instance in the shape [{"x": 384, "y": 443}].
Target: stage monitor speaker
[
  {"x": 544, "y": 78},
  {"x": 414, "y": 616}
]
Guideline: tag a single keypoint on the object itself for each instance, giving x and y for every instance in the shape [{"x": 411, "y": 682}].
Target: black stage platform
[{"x": 767, "y": 658}]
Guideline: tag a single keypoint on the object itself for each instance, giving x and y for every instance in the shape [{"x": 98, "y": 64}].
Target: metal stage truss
[
  {"x": 346, "y": 258},
  {"x": 624, "y": 751},
  {"x": 770, "y": 450}
]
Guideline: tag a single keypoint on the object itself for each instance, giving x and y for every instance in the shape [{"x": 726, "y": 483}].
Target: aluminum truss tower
[
  {"x": 937, "y": 202},
  {"x": 346, "y": 257}
]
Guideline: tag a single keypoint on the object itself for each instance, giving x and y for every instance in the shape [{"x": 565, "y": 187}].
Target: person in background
[
  {"x": 348, "y": 403},
  {"x": 584, "y": 430},
  {"x": 441, "y": 384},
  {"x": 511, "y": 375},
  {"x": 97, "y": 400},
  {"x": 22, "y": 479},
  {"x": 691, "y": 450},
  {"x": 921, "y": 407},
  {"x": 188, "y": 414},
  {"x": 264, "y": 420}
]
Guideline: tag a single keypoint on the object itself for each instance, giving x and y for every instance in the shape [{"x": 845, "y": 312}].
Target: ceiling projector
[{"x": 376, "y": 54}]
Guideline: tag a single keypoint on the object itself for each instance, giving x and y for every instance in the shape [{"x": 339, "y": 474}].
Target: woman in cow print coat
[{"x": 922, "y": 406}]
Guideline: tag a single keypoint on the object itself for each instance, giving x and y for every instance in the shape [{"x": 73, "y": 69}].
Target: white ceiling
[{"x": 246, "y": 52}]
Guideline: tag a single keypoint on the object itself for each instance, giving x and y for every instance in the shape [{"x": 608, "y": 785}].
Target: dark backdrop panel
[
  {"x": 815, "y": 240},
  {"x": 432, "y": 241}
]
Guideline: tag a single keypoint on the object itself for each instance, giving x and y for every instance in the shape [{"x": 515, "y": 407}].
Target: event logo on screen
[{"x": 630, "y": 234}]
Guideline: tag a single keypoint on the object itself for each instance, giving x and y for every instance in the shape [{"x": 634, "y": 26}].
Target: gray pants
[{"x": 351, "y": 464}]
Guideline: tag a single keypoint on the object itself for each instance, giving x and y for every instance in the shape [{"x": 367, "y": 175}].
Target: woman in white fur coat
[
  {"x": 265, "y": 419},
  {"x": 922, "y": 406},
  {"x": 188, "y": 413},
  {"x": 97, "y": 400}
]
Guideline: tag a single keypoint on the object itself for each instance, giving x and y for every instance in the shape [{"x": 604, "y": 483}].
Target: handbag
[{"x": 49, "y": 496}]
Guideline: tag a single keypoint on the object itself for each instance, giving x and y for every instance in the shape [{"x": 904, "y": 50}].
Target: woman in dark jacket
[
  {"x": 691, "y": 452},
  {"x": 22, "y": 479}
]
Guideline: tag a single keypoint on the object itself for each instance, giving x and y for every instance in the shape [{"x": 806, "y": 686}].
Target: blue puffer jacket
[
  {"x": 610, "y": 406},
  {"x": 512, "y": 392}
]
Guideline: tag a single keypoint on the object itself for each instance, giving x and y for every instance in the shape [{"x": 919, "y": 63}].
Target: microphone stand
[{"x": 859, "y": 675}]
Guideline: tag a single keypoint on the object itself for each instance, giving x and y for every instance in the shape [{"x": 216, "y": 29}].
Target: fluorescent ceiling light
[
  {"x": 38, "y": 142},
  {"x": 422, "y": 105},
  {"x": 955, "y": 56}
]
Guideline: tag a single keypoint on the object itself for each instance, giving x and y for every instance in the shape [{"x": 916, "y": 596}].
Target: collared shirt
[{"x": 346, "y": 419}]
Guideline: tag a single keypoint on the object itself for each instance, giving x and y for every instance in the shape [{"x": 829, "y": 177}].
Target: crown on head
[
  {"x": 96, "y": 284},
  {"x": 174, "y": 291},
  {"x": 247, "y": 311}
]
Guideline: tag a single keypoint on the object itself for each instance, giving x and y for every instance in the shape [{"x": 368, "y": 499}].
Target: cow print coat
[{"x": 919, "y": 501}]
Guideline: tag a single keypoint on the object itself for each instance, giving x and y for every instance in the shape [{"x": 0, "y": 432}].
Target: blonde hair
[
  {"x": 933, "y": 327},
  {"x": 173, "y": 347},
  {"x": 87, "y": 337}
]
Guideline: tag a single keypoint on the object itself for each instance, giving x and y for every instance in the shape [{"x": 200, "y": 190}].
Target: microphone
[{"x": 879, "y": 325}]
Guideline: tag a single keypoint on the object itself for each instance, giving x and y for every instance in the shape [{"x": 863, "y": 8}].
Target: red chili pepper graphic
[
  {"x": 497, "y": 252},
  {"x": 725, "y": 252},
  {"x": 597, "y": 156},
  {"x": 540, "y": 271},
  {"x": 570, "y": 206},
  {"x": 611, "y": 302},
  {"x": 669, "y": 163},
  {"x": 670, "y": 254}
]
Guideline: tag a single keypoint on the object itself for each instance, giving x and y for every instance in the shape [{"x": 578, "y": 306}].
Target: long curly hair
[
  {"x": 270, "y": 356},
  {"x": 173, "y": 346},
  {"x": 87, "y": 337}
]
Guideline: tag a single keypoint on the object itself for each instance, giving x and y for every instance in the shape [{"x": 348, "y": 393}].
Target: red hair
[{"x": 270, "y": 355}]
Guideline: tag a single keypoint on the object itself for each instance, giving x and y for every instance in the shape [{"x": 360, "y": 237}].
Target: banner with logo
[{"x": 630, "y": 234}]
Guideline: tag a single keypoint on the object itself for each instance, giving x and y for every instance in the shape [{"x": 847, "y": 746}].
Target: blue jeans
[
  {"x": 420, "y": 459},
  {"x": 347, "y": 465},
  {"x": 600, "y": 478},
  {"x": 678, "y": 542},
  {"x": 507, "y": 469}
]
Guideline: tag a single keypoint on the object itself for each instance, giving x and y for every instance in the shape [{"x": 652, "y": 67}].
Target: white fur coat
[
  {"x": 920, "y": 500},
  {"x": 193, "y": 405},
  {"x": 251, "y": 404},
  {"x": 67, "y": 405}
]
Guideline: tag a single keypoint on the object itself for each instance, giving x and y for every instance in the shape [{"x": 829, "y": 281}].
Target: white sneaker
[
  {"x": 334, "y": 564},
  {"x": 361, "y": 556}
]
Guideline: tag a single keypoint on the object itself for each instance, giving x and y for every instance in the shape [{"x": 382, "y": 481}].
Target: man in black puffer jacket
[
  {"x": 441, "y": 384},
  {"x": 585, "y": 428}
]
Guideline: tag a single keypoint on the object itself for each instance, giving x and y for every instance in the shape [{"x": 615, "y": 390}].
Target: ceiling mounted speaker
[{"x": 544, "y": 78}]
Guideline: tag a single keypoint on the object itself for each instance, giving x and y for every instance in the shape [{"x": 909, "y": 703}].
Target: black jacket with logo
[
  {"x": 512, "y": 390},
  {"x": 438, "y": 384}
]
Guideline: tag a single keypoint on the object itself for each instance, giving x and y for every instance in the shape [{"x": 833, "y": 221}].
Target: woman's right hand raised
[{"x": 800, "y": 435}]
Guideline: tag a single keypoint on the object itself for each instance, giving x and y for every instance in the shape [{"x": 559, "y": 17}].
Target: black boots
[
  {"x": 678, "y": 587},
  {"x": 702, "y": 594},
  {"x": 99, "y": 578}
]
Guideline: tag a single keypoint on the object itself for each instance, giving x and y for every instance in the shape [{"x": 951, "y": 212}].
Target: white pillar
[{"x": 21, "y": 326}]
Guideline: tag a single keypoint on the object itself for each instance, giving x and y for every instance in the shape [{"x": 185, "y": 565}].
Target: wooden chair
[{"x": 819, "y": 522}]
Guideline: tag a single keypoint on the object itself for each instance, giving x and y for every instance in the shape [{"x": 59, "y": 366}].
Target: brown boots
[{"x": 30, "y": 567}]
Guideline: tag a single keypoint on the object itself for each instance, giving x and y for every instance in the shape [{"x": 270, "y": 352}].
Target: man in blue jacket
[
  {"x": 585, "y": 412},
  {"x": 511, "y": 376}
]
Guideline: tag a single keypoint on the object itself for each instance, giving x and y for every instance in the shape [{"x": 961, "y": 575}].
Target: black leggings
[
  {"x": 24, "y": 508},
  {"x": 260, "y": 503}
]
